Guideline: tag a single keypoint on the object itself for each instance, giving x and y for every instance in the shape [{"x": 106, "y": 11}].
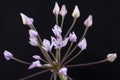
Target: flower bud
[
  {"x": 63, "y": 71},
  {"x": 63, "y": 11},
  {"x": 56, "y": 9},
  {"x": 89, "y": 21},
  {"x": 73, "y": 37},
  {"x": 111, "y": 57},
  {"x": 34, "y": 41},
  {"x": 33, "y": 33},
  {"x": 82, "y": 44},
  {"x": 26, "y": 20},
  {"x": 35, "y": 64},
  {"x": 36, "y": 57},
  {"x": 76, "y": 12},
  {"x": 8, "y": 55}
]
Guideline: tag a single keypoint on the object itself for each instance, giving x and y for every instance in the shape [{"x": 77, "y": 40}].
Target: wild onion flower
[{"x": 55, "y": 60}]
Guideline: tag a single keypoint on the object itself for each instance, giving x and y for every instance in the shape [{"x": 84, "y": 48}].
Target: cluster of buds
[{"x": 53, "y": 61}]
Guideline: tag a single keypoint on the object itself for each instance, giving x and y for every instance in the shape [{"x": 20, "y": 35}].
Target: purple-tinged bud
[
  {"x": 34, "y": 41},
  {"x": 35, "y": 64},
  {"x": 82, "y": 44},
  {"x": 26, "y": 20},
  {"x": 89, "y": 21},
  {"x": 73, "y": 37},
  {"x": 46, "y": 45},
  {"x": 33, "y": 33},
  {"x": 36, "y": 57},
  {"x": 56, "y": 9},
  {"x": 8, "y": 55},
  {"x": 63, "y": 10},
  {"x": 76, "y": 12}
]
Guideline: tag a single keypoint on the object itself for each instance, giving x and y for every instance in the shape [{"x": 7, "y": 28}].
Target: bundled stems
[
  {"x": 85, "y": 31},
  {"x": 63, "y": 59},
  {"x": 73, "y": 57}
]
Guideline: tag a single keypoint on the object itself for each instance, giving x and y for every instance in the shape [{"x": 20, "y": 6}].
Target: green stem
[
  {"x": 63, "y": 18},
  {"x": 56, "y": 17},
  {"x": 87, "y": 64},
  {"x": 18, "y": 60},
  {"x": 63, "y": 59},
  {"x": 52, "y": 55},
  {"x": 73, "y": 57},
  {"x": 74, "y": 21}
]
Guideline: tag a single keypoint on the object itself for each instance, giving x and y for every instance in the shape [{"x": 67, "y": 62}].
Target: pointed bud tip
[
  {"x": 89, "y": 21},
  {"x": 111, "y": 57},
  {"x": 76, "y": 12}
]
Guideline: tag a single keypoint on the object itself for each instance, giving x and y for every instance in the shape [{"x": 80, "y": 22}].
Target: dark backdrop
[{"x": 103, "y": 37}]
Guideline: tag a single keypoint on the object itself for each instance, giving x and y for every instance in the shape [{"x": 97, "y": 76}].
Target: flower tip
[
  {"x": 89, "y": 21},
  {"x": 111, "y": 57},
  {"x": 36, "y": 57},
  {"x": 26, "y": 20},
  {"x": 56, "y": 9},
  {"x": 8, "y": 55},
  {"x": 83, "y": 44},
  {"x": 35, "y": 64},
  {"x": 76, "y": 12},
  {"x": 63, "y": 11}
]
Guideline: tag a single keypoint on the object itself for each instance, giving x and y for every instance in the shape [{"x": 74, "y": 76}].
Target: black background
[{"x": 102, "y": 38}]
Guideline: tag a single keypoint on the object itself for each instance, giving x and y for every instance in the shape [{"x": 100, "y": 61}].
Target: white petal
[
  {"x": 111, "y": 57},
  {"x": 76, "y": 12},
  {"x": 63, "y": 71}
]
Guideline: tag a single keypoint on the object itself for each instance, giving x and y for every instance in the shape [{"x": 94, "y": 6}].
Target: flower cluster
[{"x": 55, "y": 62}]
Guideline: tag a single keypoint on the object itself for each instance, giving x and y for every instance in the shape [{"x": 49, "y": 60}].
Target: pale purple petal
[
  {"x": 73, "y": 37},
  {"x": 36, "y": 57},
  {"x": 89, "y": 21},
  {"x": 33, "y": 33},
  {"x": 35, "y": 64},
  {"x": 8, "y": 55},
  {"x": 82, "y": 44},
  {"x": 57, "y": 30},
  {"x": 56, "y": 9},
  {"x": 54, "y": 41},
  {"x": 63, "y": 11},
  {"x": 111, "y": 57},
  {"x": 46, "y": 45},
  {"x": 63, "y": 71},
  {"x": 26, "y": 20},
  {"x": 34, "y": 41},
  {"x": 64, "y": 42}
]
